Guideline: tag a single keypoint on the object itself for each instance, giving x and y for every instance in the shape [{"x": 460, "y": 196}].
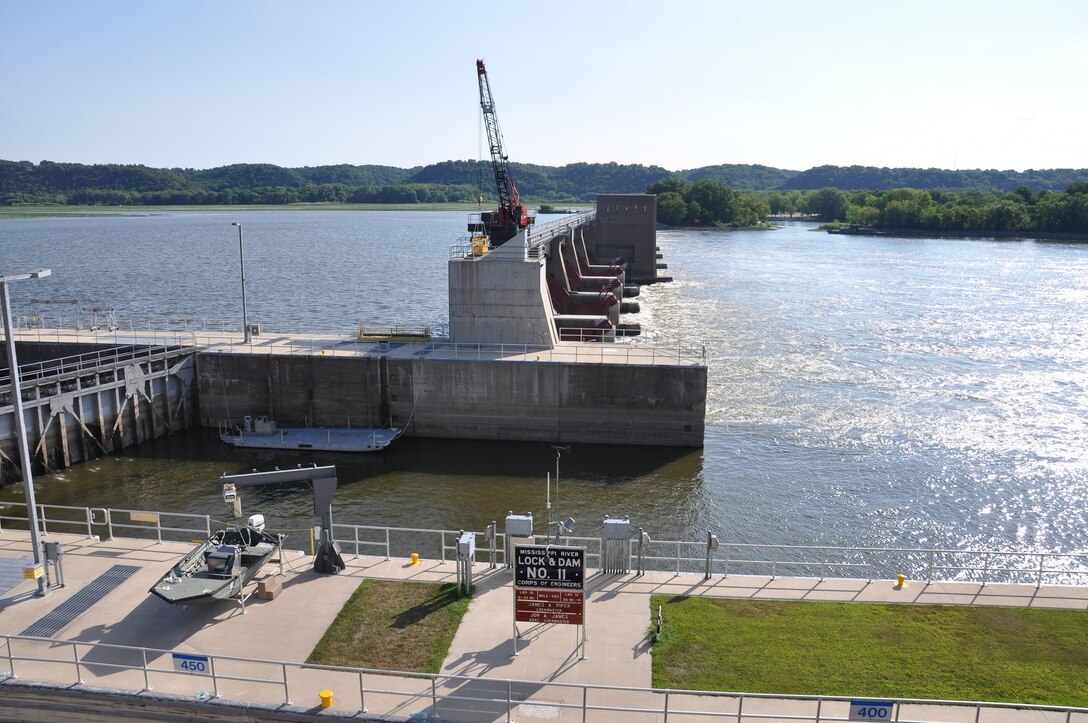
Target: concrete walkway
[{"x": 617, "y": 651}]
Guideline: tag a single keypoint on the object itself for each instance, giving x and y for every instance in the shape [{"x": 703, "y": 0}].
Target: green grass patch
[
  {"x": 1021, "y": 655},
  {"x": 394, "y": 626}
]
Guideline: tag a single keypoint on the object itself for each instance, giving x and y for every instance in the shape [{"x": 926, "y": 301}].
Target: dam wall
[{"x": 525, "y": 399}]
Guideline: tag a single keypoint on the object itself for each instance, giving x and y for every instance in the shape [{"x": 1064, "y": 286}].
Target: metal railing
[
  {"x": 348, "y": 344},
  {"x": 105, "y": 521},
  {"x": 540, "y": 235},
  {"x": 619, "y": 353},
  {"x": 76, "y": 364},
  {"x": 386, "y": 692},
  {"x": 865, "y": 563},
  {"x": 675, "y": 556}
]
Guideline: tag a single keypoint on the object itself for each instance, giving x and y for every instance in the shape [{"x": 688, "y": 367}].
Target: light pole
[
  {"x": 242, "y": 264},
  {"x": 20, "y": 424},
  {"x": 558, "y": 453}
]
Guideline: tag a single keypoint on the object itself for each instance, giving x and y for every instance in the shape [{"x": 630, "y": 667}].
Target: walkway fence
[
  {"x": 347, "y": 344},
  {"x": 708, "y": 557},
  {"x": 279, "y": 684}
]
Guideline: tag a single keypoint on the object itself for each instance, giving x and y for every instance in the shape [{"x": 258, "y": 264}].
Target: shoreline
[{"x": 925, "y": 233}]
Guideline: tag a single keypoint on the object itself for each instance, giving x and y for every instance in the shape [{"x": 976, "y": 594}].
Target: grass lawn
[
  {"x": 394, "y": 626},
  {"x": 897, "y": 651}
]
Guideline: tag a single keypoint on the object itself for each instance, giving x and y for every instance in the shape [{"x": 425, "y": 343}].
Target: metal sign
[
  {"x": 549, "y": 567},
  {"x": 195, "y": 664},
  {"x": 549, "y": 606},
  {"x": 871, "y": 710}
]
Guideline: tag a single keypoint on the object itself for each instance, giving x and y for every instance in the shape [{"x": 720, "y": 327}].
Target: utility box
[
  {"x": 519, "y": 531},
  {"x": 617, "y": 529},
  {"x": 519, "y": 525},
  {"x": 466, "y": 546},
  {"x": 53, "y": 550},
  {"x": 615, "y": 545}
]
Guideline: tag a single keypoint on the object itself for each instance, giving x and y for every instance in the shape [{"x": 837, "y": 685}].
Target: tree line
[
  {"x": 945, "y": 211},
  {"x": 50, "y": 182}
]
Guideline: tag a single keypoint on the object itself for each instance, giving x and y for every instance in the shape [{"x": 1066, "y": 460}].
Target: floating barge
[{"x": 264, "y": 433}]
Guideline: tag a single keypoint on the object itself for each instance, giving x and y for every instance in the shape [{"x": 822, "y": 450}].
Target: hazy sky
[{"x": 681, "y": 84}]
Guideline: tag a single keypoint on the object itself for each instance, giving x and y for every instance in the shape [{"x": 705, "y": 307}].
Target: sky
[{"x": 680, "y": 84}]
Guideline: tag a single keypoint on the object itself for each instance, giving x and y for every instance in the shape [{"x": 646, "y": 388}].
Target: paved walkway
[{"x": 617, "y": 652}]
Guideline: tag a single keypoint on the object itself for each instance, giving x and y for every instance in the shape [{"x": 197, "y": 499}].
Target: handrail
[
  {"x": 731, "y": 558},
  {"x": 348, "y": 344},
  {"x": 76, "y": 363},
  {"x": 637, "y": 699}
]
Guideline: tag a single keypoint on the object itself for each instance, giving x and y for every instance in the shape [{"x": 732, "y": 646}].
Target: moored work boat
[
  {"x": 264, "y": 433},
  {"x": 221, "y": 566}
]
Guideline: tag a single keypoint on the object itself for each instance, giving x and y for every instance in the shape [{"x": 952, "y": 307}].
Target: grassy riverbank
[
  {"x": 394, "y": 626},
  {"x": 897, "y": 651}
]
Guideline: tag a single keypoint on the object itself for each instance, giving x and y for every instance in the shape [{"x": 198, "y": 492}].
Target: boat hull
[
  {"x": 192, "y": 581},
  {"x": 325, "y": 440}
]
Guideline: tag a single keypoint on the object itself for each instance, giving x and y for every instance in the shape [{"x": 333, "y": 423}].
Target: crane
[{"x": 512, "y": 215}]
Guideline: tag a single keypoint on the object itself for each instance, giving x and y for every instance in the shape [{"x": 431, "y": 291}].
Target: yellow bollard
[
  {"x": 415, "y": 559},
  {"x": 326, "y": 698},
  {"x": 900, "y": 582}
]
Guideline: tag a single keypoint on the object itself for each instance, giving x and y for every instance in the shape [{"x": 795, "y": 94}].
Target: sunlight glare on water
[{"x": 862, "y": 391}]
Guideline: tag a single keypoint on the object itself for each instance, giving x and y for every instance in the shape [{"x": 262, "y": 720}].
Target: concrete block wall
[
  {"x": 294, "y": 391},
  {"x": 626, "y": 226},
  {"x": 499, "y": 300},
  {"x": 464, "y": 399}
]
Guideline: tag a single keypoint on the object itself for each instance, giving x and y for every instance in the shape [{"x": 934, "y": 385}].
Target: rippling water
[{"x": 863, "y": 391}]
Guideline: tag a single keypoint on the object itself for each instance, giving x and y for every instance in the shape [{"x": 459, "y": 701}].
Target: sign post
[{"x": 549, "y": 587}]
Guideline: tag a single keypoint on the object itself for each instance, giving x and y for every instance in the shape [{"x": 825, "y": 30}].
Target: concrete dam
[{"x": 536, "y": 352}]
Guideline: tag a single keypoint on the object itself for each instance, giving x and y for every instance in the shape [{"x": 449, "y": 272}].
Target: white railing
[
  {"x": 93, "y": 361},
  {"x": 676, "y": 556},
  {"x": 347, "y": 343},
  {"x": 537, "y": 236},
  {"x": 381, "y": 693},
  {"x": 105, "y": 521}
]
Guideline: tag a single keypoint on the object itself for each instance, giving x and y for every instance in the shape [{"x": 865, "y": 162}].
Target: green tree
[
  {"x": 830, "y": 204},
  {"x": 671, "y": 208}
]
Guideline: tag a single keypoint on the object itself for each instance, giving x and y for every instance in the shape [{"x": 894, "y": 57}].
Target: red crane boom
[{"x": 512, "y": 215}]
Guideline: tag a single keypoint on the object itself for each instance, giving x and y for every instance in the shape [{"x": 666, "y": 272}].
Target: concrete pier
[{"x": 596, "y": 393}]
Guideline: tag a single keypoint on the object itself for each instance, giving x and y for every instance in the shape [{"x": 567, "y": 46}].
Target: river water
[{"x": 862, "y": 391}]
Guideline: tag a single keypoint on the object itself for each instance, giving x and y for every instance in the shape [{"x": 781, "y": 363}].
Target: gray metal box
[
  {"x": 53, "y": 550},
  {"x": 617, "y": 529},
  {"x": 466, "y": 546},
  {"x": 519, "y": 525}
]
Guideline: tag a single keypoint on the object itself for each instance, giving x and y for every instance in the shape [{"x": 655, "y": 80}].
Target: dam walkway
[{"x": 121, "y": 651}]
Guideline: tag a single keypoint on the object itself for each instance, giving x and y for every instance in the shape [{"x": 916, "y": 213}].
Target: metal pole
[
  {"x": 20, "y": 423},
  {"x": 242, "y": 265}
]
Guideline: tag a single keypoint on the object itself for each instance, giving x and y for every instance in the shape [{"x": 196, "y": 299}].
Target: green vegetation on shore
[
  {"x": 946, "y": 211},
  {"x": 405, "y": 626},
  {"x": 1021, "y": 655},
  {"x": 47, "y": 182},
  {"x": 706, "y": 203}
]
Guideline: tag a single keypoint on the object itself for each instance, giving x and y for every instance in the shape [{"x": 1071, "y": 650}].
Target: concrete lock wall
[
  {"x": 522, "y": 400},
  {"x": 294, "y": 391}
]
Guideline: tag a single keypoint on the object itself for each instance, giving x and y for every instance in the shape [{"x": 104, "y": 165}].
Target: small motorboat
[{"x": 221, "y": 566}]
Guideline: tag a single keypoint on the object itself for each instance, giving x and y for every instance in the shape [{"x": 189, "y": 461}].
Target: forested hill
[{"x": 74, "y": 183}]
